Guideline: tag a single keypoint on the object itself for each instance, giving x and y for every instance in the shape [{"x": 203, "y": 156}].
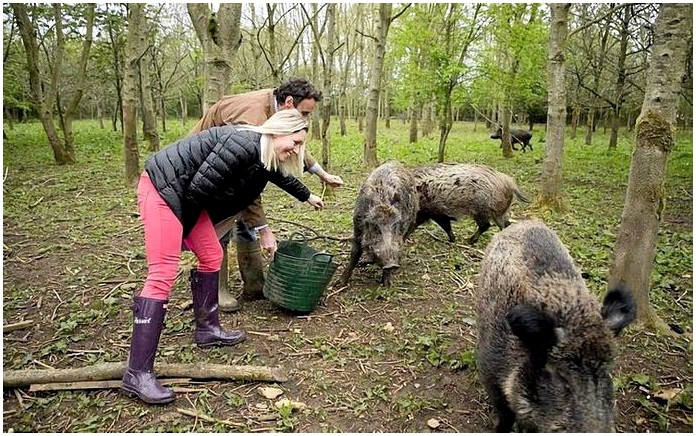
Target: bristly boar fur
[
  {"x": 544, "y": 347},
  {"x": 448, "y": 191},
  {"x": 385, "y": 213}
]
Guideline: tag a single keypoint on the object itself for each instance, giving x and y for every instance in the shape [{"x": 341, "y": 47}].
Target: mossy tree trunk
[
  {"x": 634, "y": 251},
  {"x": 220, "y": 36}
]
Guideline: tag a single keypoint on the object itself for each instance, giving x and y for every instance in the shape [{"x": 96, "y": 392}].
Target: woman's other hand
[
  {"x": 315, "y": 201},
  {"x": 333, "y": 180}
]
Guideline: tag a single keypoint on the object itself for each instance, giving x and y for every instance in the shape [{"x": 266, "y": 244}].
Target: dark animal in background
[
  {"x": 544, "y": 345},
  {"x": 517, "y": 136},
  {"x": 448, "y": 191},
  {"x": 385, "y": 213}
]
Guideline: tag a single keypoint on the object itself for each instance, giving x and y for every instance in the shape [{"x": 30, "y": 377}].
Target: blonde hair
[{"x": 282, "y": 123}]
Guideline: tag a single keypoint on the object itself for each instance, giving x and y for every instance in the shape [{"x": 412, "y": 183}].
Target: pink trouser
[{"x": 163, "y": 238}]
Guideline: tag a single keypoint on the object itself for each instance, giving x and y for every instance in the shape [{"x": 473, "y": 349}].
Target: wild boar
[
  {"x": 385, "y": 213},
  {"x": 517, "y": 136},
  {"x": 544, "y": 345},
  {"x": 446, "y": 192}
]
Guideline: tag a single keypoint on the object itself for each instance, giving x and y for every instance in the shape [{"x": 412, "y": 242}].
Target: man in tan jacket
[{"x": 255, "y": 107}]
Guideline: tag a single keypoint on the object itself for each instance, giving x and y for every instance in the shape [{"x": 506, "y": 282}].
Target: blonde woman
[{"x": 185, "y": 188}]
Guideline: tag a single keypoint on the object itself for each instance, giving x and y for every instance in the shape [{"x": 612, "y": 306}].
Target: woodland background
[{"x": 441, "y": 62}]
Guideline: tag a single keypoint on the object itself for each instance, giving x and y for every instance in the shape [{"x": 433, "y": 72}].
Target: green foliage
[
  {"x": 513, "y": 65},
  {"x": 287, "y": 419}
]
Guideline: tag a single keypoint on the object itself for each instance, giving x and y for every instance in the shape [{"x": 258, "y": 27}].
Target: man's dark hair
[{"x": 299, "y": 89}]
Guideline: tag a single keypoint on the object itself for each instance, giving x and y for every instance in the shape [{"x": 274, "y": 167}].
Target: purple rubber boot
[
  {"x": 139, "y": 378},
  {"x": 204, "y": 287}
]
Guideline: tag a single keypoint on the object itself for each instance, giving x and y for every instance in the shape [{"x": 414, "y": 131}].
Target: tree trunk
[
  {"x": 272, "y": 49},
  {"x": 342, "y": 113},
  {"x": 315, "y": 127},
  {"x": 634, "y": 251},
  {"x": 118, "y": 109},
  {"x": 343, "y": 108},
  {"x": 414, "y": 112},
  {"x": 574, "y": 122},
  {"x": 429, "y": 121},
  {"x": 220, "y": 37},
  {"x": 118, "y": 113},
  {"x": 387, "y": 110},
  {"x": 99, "y": 115},
  {"x": 163, "y": 113},
  {"x": 42, "y": 94},
  {"x": 596, "y": 77},
  {"x": 589, "y": 126},
  {"x": 132, "y": 56},
  {"x": 384, "y": 20},
  {"x": 72, "y": 108},
  {"x": 551, "y": 193},
  {"x": 620, "y": 78},
  {"x": 504, "y": 117},
  {"x": 147, "y": 103},
  {"x": 445, "y": 126},
  {"x": 328, "y": 77},
  {"x": 9, "y": 119},
  {"x": 184, "y": 108},
  {"x": 446, "y": 119}
]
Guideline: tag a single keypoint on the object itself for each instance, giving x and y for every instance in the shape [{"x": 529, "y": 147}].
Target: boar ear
[
  {"x": 618, "y": 309},
  {"x": 535, "y": 328}
]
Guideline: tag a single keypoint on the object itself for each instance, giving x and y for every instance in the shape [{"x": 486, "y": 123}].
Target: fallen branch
[
  {"x": 112, "y": 371},
  {"x": 106, "y": 384},
  {"x": 17, "y": 326}
]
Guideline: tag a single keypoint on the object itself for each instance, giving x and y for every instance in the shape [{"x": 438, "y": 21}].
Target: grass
[{"x": 369, "y": 358}]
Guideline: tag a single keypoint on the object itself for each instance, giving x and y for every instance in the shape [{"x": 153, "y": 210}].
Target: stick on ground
[
  {"x": 113, "y": 371},
  {"x": 17, "y": 326}
]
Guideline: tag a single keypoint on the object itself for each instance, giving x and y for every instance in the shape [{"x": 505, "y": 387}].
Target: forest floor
[{"x": 369, "y": 358}]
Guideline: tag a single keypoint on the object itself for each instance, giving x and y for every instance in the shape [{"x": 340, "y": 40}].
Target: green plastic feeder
[{"x": 298, "y": 275}]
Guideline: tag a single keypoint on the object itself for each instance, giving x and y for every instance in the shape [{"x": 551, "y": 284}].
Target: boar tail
[{"x": 521, "y": 196}]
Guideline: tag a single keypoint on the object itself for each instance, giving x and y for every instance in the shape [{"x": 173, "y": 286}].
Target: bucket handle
[
  {"x": 301, "y": 235},
  {"x": 314, "y": 257}
]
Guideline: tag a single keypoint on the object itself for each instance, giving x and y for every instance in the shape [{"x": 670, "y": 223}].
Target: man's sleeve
[
  {"x": 254, "y": 215},
  {"x": 309, "y": 160}
]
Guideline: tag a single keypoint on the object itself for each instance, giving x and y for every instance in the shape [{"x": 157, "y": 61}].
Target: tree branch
[
  {"x": 366, "y": 36},
  {"x": 316, "y": 33},
  {"x": 597, "y": 20},
  {"x": 408, "y": 5},
  {"x": 84, "y": 58}
]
